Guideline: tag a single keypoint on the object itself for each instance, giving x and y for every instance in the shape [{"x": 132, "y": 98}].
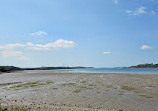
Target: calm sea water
[{"x": 119, "y": 70}]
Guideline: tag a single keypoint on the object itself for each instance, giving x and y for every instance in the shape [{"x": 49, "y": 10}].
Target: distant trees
[
  {"x": 53, "y": 68},
  {"x": 2, "y": 69},
  {"x": 8, "y": 68},
  {"x": 145, "y": 66},
  {"x": 12, "y": 68}
]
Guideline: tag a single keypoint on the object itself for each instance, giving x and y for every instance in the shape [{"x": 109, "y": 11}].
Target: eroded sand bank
[{"x": 67, "y": 91}]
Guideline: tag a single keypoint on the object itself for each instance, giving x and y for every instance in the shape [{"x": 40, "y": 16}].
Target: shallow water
[{"x": 119, "y": 70}]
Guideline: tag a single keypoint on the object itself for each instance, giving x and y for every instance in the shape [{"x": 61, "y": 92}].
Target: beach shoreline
[{"x": 66, "y": 90}]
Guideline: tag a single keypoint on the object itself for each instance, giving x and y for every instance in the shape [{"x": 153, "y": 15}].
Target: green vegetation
[
  {"x": 151, "y": 86},
  {"x": 91, "y": 85},
  {"x": 145, "y": 66},
  {"x": 77, "y": 90},
  {"x": 121, "y": 93},
  {"x": 6, "y": 109},
  {"x": 145, "y": 96},
  {"x": 127, "y": 88},
  {"x": 52, "y": 68},
  {"x": 83, "y": 87},
  {"x": 31, "y": 84},
  {"x": 83, "y": 81},
  {"x": 68, "y": 84},
  {"x": 49, "y": 82},
  {"x": 18, "y": 110},
  {"x": 55, "y": 88},
  {"x": 12, "y": 68},
  {"x": 137, "y": 91},
  {"x": 8, "y": 68},
  {"x": 109, "y": 86}
]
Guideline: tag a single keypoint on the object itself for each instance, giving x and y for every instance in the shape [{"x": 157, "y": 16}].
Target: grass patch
[
  {"x": 83, "y": 81},
  {"x": 18, "y": 110},
  {"x": 151, "y": 86},
  {"x": 49, "y": 82},
  {"x": 127, "y": 88},
  {"x": 91, "y": 85},
  {"x": 6, "y": 109},
  {"x": 77, "y": 90},
  {"x": 137, "y": 91},
  {"x": 109, "y": 86},
  {"x": 83, "y": 87},
  {"x": 121, "y": 93},
  {"x": 115, "y": 88},
  {"x": 145, "y": 96},
  {"x": 68, "y": 84},
  {"x": 31, "y": 84},
  {"x": 80, "y": 88},
  {"x": 55, "y": 88}
]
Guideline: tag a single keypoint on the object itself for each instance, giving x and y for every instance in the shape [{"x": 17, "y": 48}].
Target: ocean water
[{"x": 119, "y": 70}]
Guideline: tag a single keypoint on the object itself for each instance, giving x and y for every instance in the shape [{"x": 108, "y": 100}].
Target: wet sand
[{"x": 67, "y": 91}]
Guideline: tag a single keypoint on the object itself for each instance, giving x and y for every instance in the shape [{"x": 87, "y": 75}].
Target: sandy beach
[{"x": 56, "y": 90}]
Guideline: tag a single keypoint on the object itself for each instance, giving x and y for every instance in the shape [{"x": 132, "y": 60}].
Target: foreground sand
[{"x": 67, "y": 91}]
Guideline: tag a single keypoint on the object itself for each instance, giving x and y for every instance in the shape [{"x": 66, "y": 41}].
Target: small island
[{"x": 151, "y": 65}]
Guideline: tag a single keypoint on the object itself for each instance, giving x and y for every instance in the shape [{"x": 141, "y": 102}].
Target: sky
[{"x": 97, "y": 33}]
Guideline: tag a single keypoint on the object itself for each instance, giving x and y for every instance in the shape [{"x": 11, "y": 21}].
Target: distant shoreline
[
  {"x": 152, "y": 65},
  {"x": 147, "y": 68},
  {"x": 8, "y": 69}
]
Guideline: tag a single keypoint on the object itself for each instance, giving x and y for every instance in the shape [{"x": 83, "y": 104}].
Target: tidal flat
[{"x": 58, "y": 90}]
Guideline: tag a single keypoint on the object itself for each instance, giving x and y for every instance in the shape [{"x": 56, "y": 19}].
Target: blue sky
[{"x": 98, "y": 33}]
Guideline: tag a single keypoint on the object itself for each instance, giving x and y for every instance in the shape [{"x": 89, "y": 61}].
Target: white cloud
[
  {"x": 153, "y": 12},
  {"x": 59, "y": 44},
  {"x": 39, "y": 33},
  {"x": 10, "y": 50},
  {"x": 136, "y": 12},
  {"x": 140, "y": 11},
  {"x": 13, "y": 54},
  {"x": 29, "y": 44},
  {"x": 106, "y": 52},
  {"x": 129, "y": 12},
  {"x": 116, "y": 1},
  {"x": 11, "y": 46},
  {"x": 145, "y": 47}
]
